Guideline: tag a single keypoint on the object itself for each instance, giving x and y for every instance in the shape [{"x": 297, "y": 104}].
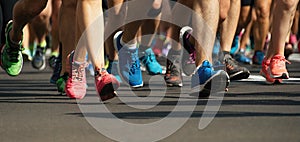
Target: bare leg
[
  {"x": 55, "y": 25},
  {"x": 281, "y": 26},
  {"x": 211, "y": 17},
  {"x": 89, "y": 13},
  {"x": 115, "y": 17},
  {"x": 22, "y": 15},
  {"x": 261, "y": 25},
  {"x": 67, "y": 30},
  {"x": 229, "y": 25}
]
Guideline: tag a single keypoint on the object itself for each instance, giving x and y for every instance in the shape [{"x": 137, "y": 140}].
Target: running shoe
[
  {"x": 265, "y": 73},
  {"x": 11, "y": 55},
  {"x": 188, "y": 55},
  {"x": 39, "y": 59},
  {"x": 57, "y": 70},
  {"x": 277, "y": 67},
  {"x": 61, "y": 83},
  {"x": 241, "y": 57},
  {"x": 234, "y": 71},
  {"x": 52, "y": 61},
  {"x": 149, "y": 60},
  {"x": 129, "y": 63},
  {"x": 206, "y": 78},
  {"x": 258, "y": 57},
  {"x": 173, "y": 75},
  {"x": 113, "y": 69},
  {"x": 106, "y": 84},
  {"x": 26, "y": 53},
  {"x": 76, "y": 83}
]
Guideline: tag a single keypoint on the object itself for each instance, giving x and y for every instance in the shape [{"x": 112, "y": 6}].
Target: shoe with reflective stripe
[
  {"x": 129, "y": 63},
  {"x": 277, "y": 67},
  {"x": 11, "y": 55},
  {"x": 106, "y": 84},
  {"x": 265, "y": 73},
  {"x": 234, "y": 71},
  {"x": 76, "y": 83}
]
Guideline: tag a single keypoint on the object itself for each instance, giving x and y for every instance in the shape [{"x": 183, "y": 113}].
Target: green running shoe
[
  {"x": 61, "y": 83},
  {"x": 11, "y": 57}
]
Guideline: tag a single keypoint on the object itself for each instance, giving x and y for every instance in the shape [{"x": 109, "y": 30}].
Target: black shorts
[
  {"x": 247, "y": 2},
  {"x": 7, "y": 14}
]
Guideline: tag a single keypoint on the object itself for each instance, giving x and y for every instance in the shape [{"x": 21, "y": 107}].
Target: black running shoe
[
  {"x": 56, "y": 71},
  {"x": 173, "y": 75},
  {"x": 234, "y": 71},
  {"x": 188, "y": 54}
]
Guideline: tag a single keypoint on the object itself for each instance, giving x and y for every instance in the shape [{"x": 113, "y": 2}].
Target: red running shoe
[
  {"x": 264, "y": 72},
  {"x": 277, "y": 67},
  {"x": 106, "y": 84}
]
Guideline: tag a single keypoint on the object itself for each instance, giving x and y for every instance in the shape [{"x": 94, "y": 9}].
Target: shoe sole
[
  {"x": 174, "y": 85},
  {"x": 276, "y": 81},
  {"x": 282, "y": 76},
  {"x": 240, "y": 75}
]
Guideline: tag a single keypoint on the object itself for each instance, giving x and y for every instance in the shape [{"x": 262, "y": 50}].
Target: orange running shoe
[
  {"x": 277, "y": 67},
  {"x": 264, "y": 72}
]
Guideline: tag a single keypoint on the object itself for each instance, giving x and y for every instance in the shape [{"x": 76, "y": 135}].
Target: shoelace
[
  {"x": 281, "y": 60},
  {"x": 173, "y": 71},
  {"x": 230, "y": 63},
  {"x": 13, "y": 53},
  {"x": 78, "y": 72},
  {"x": 192, "y": 58},
  {"x": 134, "y": 63}
]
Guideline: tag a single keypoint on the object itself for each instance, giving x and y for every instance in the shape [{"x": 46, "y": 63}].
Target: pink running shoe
[
  {"x": 76, "y": 83},
  {"x": 106, "y": 84},
  {"x": 264, "y": 72},
  {"x": 277, "y": 67}
]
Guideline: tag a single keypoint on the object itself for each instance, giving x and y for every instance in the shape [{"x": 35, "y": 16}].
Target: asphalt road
[{"x": 31, "y": 110}]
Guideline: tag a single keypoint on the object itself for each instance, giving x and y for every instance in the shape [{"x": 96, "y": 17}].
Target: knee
[
  {"x": 224, "y": 8},
  {"x": 289, "y": 4},
  {"x": 262, "y": 12},
  {"x": 35, "y": 7}
]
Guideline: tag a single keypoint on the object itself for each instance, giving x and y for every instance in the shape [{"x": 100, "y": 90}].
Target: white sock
[{"x": 130, "y": 46}]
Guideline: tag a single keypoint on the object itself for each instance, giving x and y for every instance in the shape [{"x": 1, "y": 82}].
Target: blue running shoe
[
  {"x": 113, "y": 69},
  {"x": 129, "y": 63},
  {"x": 206, "y": 80},
  {"x": 149, "y": 60},
  {"x": 258, "y": 57},
  {"x": 241, "y": 57}
]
